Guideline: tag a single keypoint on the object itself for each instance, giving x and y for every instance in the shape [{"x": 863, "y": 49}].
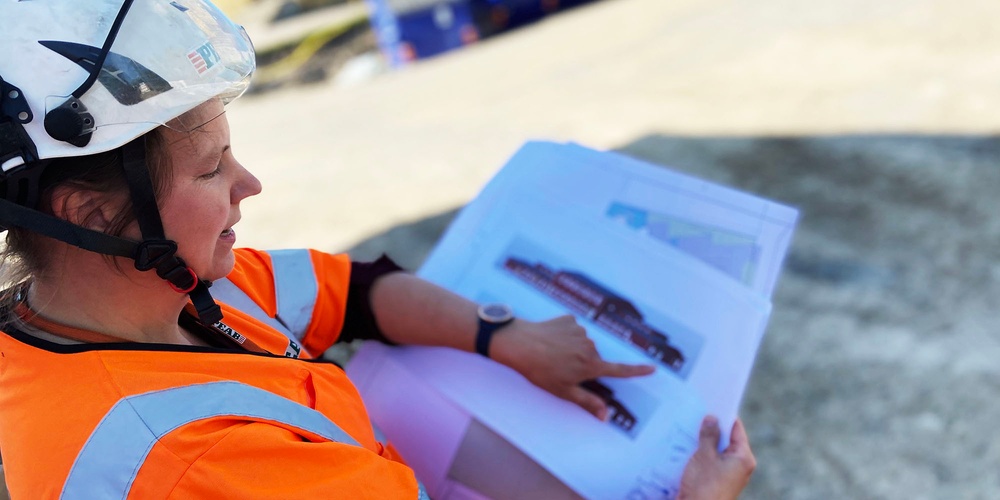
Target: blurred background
[{"x": 879, "y": 377}]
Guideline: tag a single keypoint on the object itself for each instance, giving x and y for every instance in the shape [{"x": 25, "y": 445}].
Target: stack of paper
[{"x": 659, "y": 267}]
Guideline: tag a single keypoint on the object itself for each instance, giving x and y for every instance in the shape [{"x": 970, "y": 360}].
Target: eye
[{"x": 212, "y": 174}]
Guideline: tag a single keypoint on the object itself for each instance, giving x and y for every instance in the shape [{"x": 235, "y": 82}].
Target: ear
[{"x": 84, "y": 207}]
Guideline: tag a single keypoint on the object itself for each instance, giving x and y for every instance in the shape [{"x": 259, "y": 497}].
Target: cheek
[{"x": 188, "y": 215}]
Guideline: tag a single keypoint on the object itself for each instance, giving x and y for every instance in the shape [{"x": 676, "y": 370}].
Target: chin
[{"x": 220, "y": 268}]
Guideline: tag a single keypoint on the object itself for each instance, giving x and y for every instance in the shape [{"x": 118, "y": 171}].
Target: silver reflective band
[
  {"x": 228, "y": 293},
  {"x": 295, "y": 289},
  {"x": 109, "y": 461}
]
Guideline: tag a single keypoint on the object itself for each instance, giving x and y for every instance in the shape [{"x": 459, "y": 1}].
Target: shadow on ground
[{"x": 879, "y": 373}]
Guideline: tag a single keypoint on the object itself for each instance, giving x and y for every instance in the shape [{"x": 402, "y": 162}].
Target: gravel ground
[{"x": 878, "y": 377}]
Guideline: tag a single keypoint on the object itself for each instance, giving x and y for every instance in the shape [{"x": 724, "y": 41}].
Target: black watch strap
[
  {"x": 485, "y": 335},
  {"x": 492, "y": 317}
]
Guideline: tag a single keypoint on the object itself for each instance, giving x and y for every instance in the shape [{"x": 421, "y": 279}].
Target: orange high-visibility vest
[{"x": 165, "y": 421}]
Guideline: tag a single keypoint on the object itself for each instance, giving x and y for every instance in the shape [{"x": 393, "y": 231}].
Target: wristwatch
[{"x": 492, "y": 317}]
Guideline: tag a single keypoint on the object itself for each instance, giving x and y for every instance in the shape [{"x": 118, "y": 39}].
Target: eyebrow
[{"x": 217, "y": 154}]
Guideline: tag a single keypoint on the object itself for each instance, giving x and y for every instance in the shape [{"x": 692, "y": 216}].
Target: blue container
[
  {"x": 495, "y": 16},
  {"x": 416, "y": 29}
]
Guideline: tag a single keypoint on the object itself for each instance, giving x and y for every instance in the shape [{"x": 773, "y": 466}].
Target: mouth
[{"x": 228, "y": 232}]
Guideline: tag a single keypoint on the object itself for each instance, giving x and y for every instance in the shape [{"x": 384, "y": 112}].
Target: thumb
[
  {"x": 738, "y": 441},
  {"x": 709, "y": 435}
]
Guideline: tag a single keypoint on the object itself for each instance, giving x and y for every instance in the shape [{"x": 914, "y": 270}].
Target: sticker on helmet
[{"x": 203, "y": 58}]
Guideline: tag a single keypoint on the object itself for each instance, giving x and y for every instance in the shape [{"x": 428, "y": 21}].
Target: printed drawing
[
  {"x": 618, "y": 415},
  {"x": 733, "y": 253},
  {"x": 604, "y": 307}
]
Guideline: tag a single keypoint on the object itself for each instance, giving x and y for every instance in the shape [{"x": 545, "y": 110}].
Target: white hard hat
[
  {"x": 153, "y": 60},
  {"x": 81, "y": 77}
]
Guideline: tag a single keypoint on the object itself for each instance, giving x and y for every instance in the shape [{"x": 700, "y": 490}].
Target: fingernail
[{"x": 710, "y": 421}]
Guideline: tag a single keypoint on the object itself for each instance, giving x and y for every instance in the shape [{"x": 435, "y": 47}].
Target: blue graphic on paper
[{"x": 730, "y": 252}]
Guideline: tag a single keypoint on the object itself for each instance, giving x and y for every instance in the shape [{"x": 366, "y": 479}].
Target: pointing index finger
[{"x": 623, "y": 370}]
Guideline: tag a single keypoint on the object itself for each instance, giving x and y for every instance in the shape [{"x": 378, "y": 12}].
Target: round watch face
[{"x": 495, "y": 313}]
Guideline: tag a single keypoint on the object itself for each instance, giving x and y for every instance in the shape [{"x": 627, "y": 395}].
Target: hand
[
  {"x": 557, "y": 356},
  {"x": 718, "y": 476}
]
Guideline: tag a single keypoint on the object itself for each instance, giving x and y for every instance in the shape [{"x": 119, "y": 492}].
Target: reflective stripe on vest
[
  {"x": 295, "y": 289},
  {"x": 227, "y": 292},
  {"x": 109, "y": 461},
  {"x": 116, "y": 450}
]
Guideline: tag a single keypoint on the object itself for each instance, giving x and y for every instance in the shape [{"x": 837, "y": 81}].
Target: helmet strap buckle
[
  {"x": 161, "y": 255},
  {"x": 181, "y": 274}
]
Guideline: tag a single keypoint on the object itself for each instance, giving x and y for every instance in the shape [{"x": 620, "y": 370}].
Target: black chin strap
[
  {"x": 154, "y": 254},
  {"x": 155, "y": 251},
  {"x": 16, "y": 215}
]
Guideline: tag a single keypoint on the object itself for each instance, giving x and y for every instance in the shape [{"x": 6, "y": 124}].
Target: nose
[{"x": 246, "y": 185}]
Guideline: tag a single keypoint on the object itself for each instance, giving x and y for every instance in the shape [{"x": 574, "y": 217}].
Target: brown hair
[{"x": 25, "y": 253}]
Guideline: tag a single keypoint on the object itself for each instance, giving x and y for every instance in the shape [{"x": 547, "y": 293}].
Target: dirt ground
[{"x": 878, "y": 377}]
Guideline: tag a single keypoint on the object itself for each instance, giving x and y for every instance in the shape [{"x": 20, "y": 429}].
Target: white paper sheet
[
  {"x": 548, "y": 230},
  {"x": 741, "y": 235}
]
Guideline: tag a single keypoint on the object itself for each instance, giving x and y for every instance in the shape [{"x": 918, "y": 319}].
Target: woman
[{"x": 117, "y": 176}]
